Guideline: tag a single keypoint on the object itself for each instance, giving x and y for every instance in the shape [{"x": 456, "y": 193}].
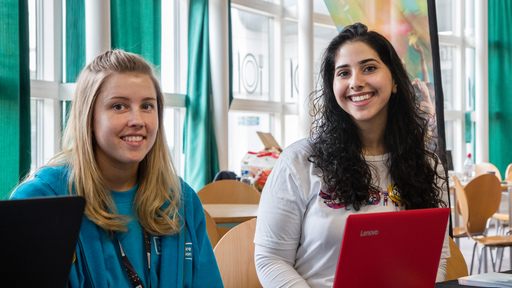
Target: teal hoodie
[{"x": 88, "y": 270}]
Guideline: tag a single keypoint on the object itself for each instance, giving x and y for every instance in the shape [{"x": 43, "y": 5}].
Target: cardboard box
[
  {"x": 258, "y": 165},
  {"x": 269, "y": 142}
]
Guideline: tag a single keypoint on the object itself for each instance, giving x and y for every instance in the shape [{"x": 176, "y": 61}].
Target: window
[
  {"x": 44, "y": 38},
  {"x": 174, "y": 75},
  {"x": 266, "y": 71},
  {"x": 456, "y": 20},
  {"x": 251, "y": 54}
]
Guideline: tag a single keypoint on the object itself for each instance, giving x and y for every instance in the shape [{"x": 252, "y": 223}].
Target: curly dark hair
[{"x": 337, "y": 145}]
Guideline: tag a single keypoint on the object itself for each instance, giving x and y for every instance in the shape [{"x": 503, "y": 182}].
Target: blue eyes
[{"x": 120, "y": 107}]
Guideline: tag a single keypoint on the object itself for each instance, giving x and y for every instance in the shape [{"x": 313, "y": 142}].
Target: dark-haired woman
[{"x": 367, "y": 153}]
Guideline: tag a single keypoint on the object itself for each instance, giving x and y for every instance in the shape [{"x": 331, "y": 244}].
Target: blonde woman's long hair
[{"x": 157, "y": 199}]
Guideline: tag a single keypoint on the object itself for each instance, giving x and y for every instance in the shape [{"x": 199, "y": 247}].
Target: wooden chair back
[
  {"x": 215, "y": 233},
  {"x": 456, "y": 266},
  {"x": 484, "y": 167},
  {"x": 478, "y": 201},
  {"x": 508, "y": 173},
  {"x": 228, "y": 192},
  {"x": 211, "y": 229},
  {"x": 235, "y": 257}
]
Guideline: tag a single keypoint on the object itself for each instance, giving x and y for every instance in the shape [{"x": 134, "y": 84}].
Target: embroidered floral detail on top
[{"x": 331, "y": 199}]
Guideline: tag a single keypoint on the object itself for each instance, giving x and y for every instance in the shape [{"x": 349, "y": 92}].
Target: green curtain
[
  {"x": 75, "y": 39},
  {"x": 500, "y": 69},
  {"x": 200, "y": 146},
  {"x": 14, "y": 94},
  {"x": 136, "y": 26},
  {"x": 75, "y": 48}
]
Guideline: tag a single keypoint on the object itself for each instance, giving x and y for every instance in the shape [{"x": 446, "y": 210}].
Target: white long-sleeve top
[{"x": 298, "y": 236}]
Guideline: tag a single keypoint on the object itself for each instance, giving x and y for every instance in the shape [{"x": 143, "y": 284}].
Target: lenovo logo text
[{"x": 369, "y": 233}]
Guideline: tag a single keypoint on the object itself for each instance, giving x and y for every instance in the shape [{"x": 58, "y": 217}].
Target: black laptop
[{"x": 38, "y": 237}]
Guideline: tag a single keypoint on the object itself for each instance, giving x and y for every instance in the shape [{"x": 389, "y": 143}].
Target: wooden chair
[
  {"x": 502, "y": 219},
  {"x": 484, "y": 167},
  {"x": 228, "y": 192},
  {"x": 235, "y": 257},
  {"x": 476, "y": 207},
  {"x": 456, "y": 266},
  {"x": 508, "y": 173},
  {"x": 215, "y": 232}
]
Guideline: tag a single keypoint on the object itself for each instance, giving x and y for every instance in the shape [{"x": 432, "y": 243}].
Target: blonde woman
[{"x": 144, "y": 226}]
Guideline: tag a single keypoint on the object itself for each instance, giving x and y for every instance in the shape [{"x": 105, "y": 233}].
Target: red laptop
[{"x": 392, "y": 249}]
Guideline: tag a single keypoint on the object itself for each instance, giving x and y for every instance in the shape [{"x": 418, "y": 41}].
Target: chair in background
[
  {"x": 508, "y": 173},
  {"x": 485, "y": 167},
  {"x": 235, "y": 257},
  {"x": 501, "y": 219},
  {"x": 476, "y": 208},
  {"x": 456, "y": 266},
  {"x": 228, "y": 192},
  {"x": 215, "y": 232}
]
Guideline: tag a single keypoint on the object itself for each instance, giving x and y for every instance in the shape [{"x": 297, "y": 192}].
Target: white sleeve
[
  {"x": 279, "y": 225},
  {"x": 275, "y": 268},
  {"x": 445, "y": 253},
  {"x": 282, "y": 205},
  {"x": 441, "y": 271}
]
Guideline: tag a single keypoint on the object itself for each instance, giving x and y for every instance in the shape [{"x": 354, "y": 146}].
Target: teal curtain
[
  {"x": 500, "y": 69},
  {"x": 75, "y": 39},
  {"x": 75, "y": 48},
  {"x": 14, "y": 95},
  {"x": 200, "y": 147},
  {"x": 136, "y": 26}
]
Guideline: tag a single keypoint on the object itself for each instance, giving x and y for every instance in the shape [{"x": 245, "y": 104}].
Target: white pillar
[
  {"x": 306, "y": 39},
  {"x": 97, "y": 28},
  {"x": 219, "y": 60},
  {"x": 481, "y": 83}
]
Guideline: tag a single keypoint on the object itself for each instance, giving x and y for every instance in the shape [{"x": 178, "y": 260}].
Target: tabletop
[
  {"x": 455, "y": 283},
  {"x": 450, "y": 284},
  {"x": 231, "y": 213}
]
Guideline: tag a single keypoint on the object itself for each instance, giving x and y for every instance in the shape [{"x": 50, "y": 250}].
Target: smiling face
[
  {"x": 125, "y": 120},
  {"x": 362, "y": 83}
]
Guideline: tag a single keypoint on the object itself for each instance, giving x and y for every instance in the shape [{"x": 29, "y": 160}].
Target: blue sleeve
[
  {"x": 48, "y": 181},
  {"x": 205, "y": 272},
  {"x": 36, "y": 187}
]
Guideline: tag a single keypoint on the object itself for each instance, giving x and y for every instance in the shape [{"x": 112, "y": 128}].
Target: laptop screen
[
  {"x": 392, "y": 249},
  {"x": 38, "y": 241}
]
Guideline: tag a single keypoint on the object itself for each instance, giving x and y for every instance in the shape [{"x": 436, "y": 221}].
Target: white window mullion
[{"x": 481, "y": 83}]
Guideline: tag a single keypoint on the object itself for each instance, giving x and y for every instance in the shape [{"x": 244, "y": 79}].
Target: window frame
[{"x": 457, "y": 114}]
